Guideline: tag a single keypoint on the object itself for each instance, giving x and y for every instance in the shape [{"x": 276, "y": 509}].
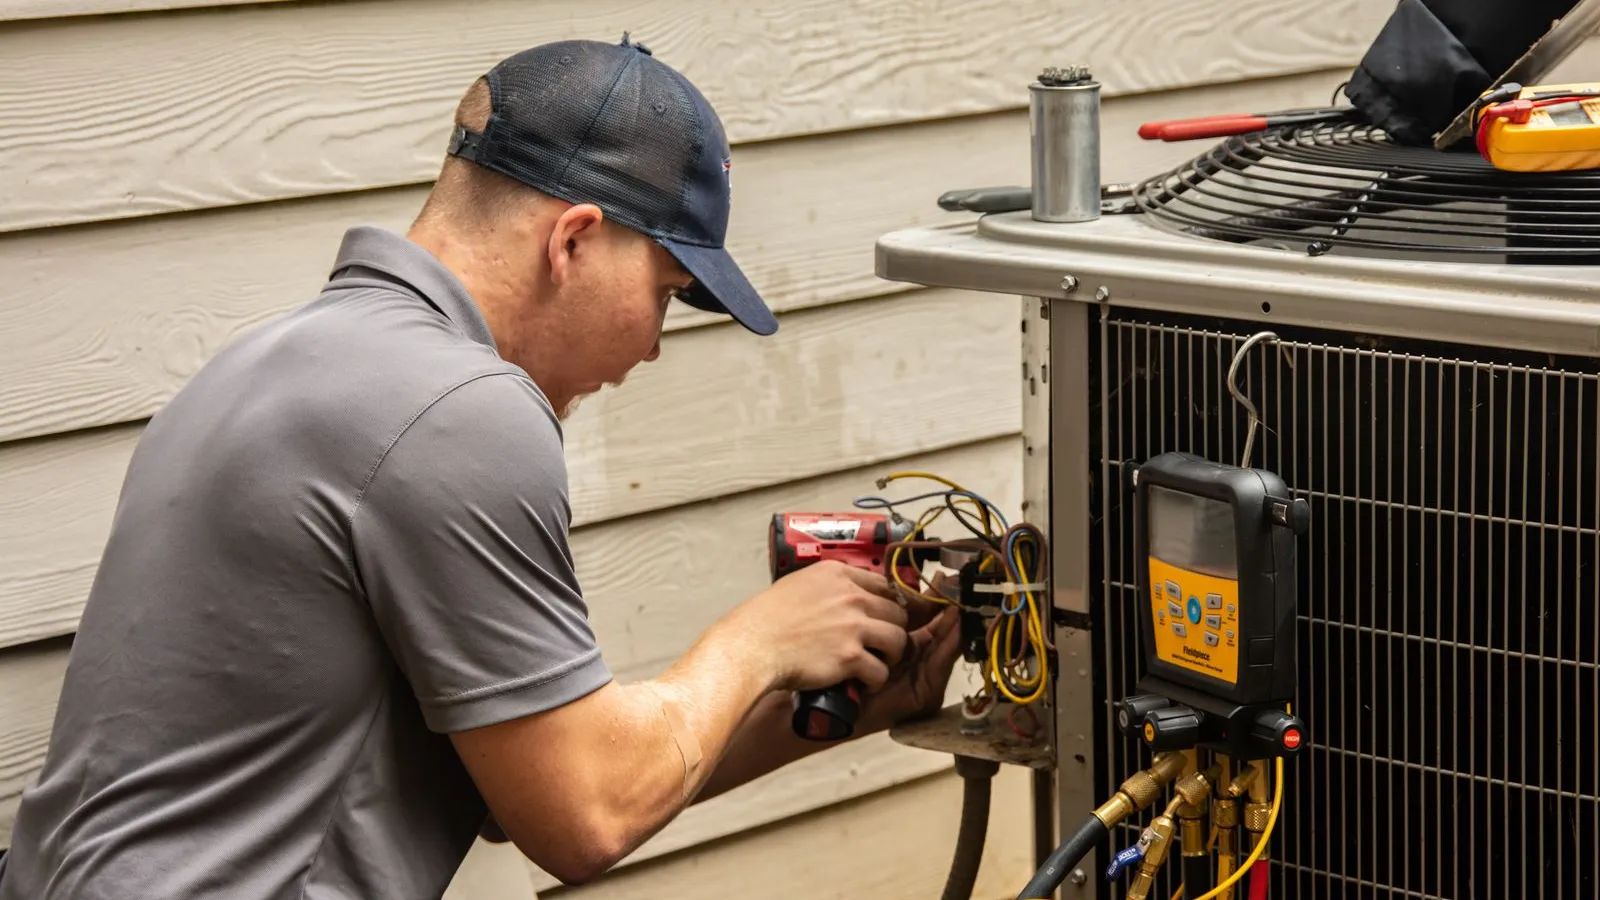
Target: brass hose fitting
[
  {"x": 1140, "y": 790},
  {"x": 1194, "y": 797},
  {"x": 1196, "y": 794},
  {"x": 1255, "y": 817},
  {"x": 1224, "y": 822},
  {"x": 1258, "y": 811},
  {"x": 1155, "y": 855},
  {"x": 1249, "y": 780}
]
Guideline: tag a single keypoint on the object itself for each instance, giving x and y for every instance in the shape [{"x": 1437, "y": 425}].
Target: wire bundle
[{"x": 1018, "y": 639}]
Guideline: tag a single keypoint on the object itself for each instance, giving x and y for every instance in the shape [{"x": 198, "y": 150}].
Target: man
[{"x": 336, "y": 630}]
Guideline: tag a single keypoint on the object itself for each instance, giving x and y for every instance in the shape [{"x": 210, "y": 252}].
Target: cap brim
[{"x": 721, "y": 287}]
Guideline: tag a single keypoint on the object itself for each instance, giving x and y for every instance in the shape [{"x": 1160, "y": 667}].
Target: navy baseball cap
[{"x": 609, "y": 124}]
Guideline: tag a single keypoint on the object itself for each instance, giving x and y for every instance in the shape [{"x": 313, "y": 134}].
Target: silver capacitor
[{"x": 1065, "y": 126}]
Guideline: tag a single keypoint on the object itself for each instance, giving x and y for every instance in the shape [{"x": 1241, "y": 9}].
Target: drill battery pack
[{"x": 1542, "y": 128}]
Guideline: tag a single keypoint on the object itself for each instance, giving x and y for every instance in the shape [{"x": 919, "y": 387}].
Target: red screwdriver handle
[
  {"x": 1211, "y": 127},
  {"x": 1153, "y": 131}
]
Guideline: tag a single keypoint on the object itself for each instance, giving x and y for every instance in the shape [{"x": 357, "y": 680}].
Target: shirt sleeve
[{"x": 460, "y": 543}]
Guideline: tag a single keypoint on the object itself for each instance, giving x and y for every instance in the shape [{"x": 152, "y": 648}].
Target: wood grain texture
[
  {"x": 89, "y": 344},
  {"x": 30, "y": 681},
  {"x": 18, "y": 10},
  {"x": 892, "y": 845},
  {"x": 721, "y": 412},
  {"x": 57, "y": 496},
  {"x": 248, "y": 103},
  {"x": 654, "y": 583}
]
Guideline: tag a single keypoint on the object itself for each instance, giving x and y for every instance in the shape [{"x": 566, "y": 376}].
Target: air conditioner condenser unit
[{"x": 1426, "y": 378}]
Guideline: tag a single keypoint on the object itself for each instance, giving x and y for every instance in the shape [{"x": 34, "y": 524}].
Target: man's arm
[
  {"x": 579, "y": 787},
  {"x": 763, "y": 744},
  {"x": 459, "y": 543},
  {"x": 766, "y": 741}
]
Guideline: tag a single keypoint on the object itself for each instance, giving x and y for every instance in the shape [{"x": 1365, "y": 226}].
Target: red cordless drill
[{"x": 797, "y": 540}]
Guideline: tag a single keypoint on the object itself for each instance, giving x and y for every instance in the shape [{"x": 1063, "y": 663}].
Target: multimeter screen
[{"x": 1193, "y": 532}]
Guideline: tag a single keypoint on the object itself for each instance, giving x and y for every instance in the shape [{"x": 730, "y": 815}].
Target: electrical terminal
[{"x": 1000, "y": 587}]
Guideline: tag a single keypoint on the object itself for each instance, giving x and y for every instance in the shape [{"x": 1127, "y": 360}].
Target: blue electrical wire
[
  {"x": 1017, "y": 577},
  {"x": 872, "y": 502}
]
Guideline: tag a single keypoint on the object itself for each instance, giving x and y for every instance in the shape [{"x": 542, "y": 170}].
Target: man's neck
[
  {"x": 502, "y": 291},
  {"x": 490, "y": 280}
]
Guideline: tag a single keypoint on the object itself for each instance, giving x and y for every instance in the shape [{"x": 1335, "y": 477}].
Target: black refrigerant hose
[
  {"x": 1196, "y": 875},
  {"x": 977, "y": 776},
  {"x": 1063, "y": 859}
]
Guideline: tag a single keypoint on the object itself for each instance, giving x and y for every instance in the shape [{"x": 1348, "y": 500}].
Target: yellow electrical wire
[
  {"x": 983, "y": 511},
  {"x": 928, "y": 518},
  {"x": 1034, "y": 686},
  {"x": 1266, "y": 834},
  {"x": 1001, "y": 663}
]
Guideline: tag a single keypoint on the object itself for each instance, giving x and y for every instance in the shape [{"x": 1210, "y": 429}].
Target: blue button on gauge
[{"x": 1194, "y": 610}]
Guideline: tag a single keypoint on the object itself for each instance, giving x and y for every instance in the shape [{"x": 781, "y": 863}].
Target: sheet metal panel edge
[{"x": 1542, "y": 308}]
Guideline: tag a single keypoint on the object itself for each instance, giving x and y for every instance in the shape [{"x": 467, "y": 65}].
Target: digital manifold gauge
[{"x": 1215, "y": 546}]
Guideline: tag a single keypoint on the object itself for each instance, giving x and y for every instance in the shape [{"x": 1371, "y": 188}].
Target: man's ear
[{"x": 576, "y": 230}]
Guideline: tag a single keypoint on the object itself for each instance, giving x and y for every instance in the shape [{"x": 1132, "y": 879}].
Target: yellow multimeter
[
  {"x": 1215, "y": 550},
  {"x": 1539, "y": 128}
]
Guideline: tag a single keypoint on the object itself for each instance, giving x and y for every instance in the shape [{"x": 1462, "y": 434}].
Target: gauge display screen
[{"x": 1193, "y": 532}]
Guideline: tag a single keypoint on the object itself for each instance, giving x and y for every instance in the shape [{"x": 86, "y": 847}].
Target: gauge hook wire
[{"x": 1239, "y": 397}]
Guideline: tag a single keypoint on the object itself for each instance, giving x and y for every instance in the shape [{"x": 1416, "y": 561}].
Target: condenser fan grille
[
  {"x": 1347, "y": 187},
  {"x": 1449, "y": 591}
]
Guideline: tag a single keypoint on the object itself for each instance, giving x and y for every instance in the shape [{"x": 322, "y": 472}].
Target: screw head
[
  {"x": 1078, "y": 876},
  {"x": 1069, "y": 284},
  {"x": 1103, "y": 294}
]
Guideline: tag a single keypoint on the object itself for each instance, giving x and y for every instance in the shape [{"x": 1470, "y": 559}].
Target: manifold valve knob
[
  {"x": 1173, "y": 728},
  {"x": 1281, "y": 731},
  {"x": 1131, "y": 712}
]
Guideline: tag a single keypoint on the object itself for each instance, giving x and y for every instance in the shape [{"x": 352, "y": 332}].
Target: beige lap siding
[{"x": 261, "y": 131}]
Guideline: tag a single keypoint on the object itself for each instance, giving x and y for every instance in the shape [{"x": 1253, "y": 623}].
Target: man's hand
[
  {"x": 820, "y": 626},
  {"x": 916, "y": 686}
]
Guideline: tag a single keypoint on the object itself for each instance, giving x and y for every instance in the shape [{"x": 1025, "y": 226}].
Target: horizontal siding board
[
  {"x": 30, "y": 682},
  {"x": 722, "y": 411},
  {"x": 893, "y": 845},
  {"x": 491, "y": 872},
  {"x": 110, "y": 319},
  {"x": 248, "y": 103},
  {"x": 19, "y": 10},
  {"x": 715, "y": 553}
]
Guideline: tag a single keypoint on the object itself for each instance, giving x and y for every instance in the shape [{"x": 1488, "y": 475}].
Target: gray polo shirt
[{"x": 344, "y": 538}]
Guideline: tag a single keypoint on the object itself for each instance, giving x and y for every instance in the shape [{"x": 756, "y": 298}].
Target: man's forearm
[
  {"x": 764, "y": 743},
  {"x": 631, "y": 756}
]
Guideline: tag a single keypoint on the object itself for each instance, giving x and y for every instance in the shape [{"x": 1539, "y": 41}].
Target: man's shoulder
[
  {"x": 489, "y": 439},
  {"x": 385, "y": 351}
]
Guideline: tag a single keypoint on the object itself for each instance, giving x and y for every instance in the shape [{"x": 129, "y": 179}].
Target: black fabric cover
[{"x": 1434, "y": 57}]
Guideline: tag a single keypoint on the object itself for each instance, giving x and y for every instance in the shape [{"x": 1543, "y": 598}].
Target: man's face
[{"x": 611, "y": 301}]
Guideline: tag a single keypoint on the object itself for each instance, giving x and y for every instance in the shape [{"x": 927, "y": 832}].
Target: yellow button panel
[{"x": 1196, "y": 620}]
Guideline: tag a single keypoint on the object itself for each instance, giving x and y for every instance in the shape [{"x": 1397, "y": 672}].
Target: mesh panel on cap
[{"x": 574, "y": 121}]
